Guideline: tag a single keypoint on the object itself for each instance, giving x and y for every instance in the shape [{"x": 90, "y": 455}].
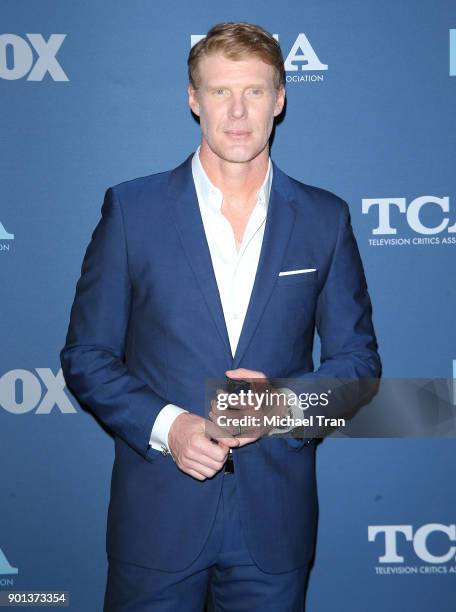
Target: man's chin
[{"x": 237, "y": 154}]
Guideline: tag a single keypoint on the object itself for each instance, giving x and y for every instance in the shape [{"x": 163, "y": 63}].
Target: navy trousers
[{"x": 224, "y": 575}]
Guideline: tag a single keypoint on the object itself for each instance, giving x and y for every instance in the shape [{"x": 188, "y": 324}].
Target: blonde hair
[{"x": 235, "y": 40}]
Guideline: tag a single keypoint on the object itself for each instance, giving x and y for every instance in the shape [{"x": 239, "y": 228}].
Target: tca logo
[
  {"x": 418, "y": 539},
  {"x": 17, "y": 58},
  {"x": 5, "y": 567},
  {"x": 21, "y": 391},
  {"x": 301, "y": 52},
  {"x": 412, "y": 212}
]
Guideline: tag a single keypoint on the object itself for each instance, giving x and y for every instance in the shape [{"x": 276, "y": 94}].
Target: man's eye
[
  {"x": 219, "y": 92},
  {"x": 256, "y": 92}
]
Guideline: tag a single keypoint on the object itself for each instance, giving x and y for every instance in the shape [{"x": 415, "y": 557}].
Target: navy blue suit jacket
[{"x": 147, "y": 329}]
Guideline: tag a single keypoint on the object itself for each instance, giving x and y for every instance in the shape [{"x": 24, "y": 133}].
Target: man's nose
[{"x": 238, "y": 107}]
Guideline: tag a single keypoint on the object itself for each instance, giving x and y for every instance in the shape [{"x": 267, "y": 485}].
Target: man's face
[{"x": 236, "y": 102}]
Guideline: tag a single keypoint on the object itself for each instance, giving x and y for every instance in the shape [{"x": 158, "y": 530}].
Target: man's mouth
[{"x": 237, "y": 134}]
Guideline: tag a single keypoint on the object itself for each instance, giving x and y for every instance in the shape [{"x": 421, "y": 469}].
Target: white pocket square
[{"x": 302, "y": 271}]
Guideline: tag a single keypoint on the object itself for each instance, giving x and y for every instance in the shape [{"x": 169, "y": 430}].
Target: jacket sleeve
[
  {"x": 344, "y": 313},
  {"x": 349, "y": 361},
  {"x": 93, "y": 356}
]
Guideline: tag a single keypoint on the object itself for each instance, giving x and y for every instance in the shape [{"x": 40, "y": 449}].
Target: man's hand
[
  {"x": 259, "y": 383},
  {"x": 198, "y": 446}
]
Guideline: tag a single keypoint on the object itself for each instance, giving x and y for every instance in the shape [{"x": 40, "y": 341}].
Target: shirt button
[{"x": 235, "y": 315}]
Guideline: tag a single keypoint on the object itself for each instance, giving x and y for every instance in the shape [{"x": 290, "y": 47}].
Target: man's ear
[
  {"x": 193, "y": 100},
  {"x": 280, "y": 101}
]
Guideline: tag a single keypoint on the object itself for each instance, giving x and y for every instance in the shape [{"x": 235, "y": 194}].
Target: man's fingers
[
  {"x": 199, "y": 468},
  {"x": 229, "y": 429},
  {"x": 226, "y": 439},
  {"x": 198, "y": 457},
  {"x": 194, "y": 474},
  {"x": 218, "y": 433},
  {"x": 236, "y": 430},
  {"x": 244, "y": 373},
  {"x": 203, "y": 445}
]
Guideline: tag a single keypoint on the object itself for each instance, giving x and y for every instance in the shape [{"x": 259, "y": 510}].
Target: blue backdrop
[{"x": 94, "y": 93}]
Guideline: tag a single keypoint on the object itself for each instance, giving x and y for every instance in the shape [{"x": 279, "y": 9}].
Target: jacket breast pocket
[{"x": 302, "y": 278}]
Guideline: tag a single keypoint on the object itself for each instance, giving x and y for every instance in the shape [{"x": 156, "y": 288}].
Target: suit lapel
[
  {"x": 279, "y": 224},
  {"x": 190, "y": 227}
]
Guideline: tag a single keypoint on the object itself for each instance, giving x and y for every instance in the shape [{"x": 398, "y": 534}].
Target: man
[{"x": 222, "y": 266}]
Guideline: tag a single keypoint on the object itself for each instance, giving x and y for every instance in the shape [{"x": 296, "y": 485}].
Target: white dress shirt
[{"x": 234, "y": 269}]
